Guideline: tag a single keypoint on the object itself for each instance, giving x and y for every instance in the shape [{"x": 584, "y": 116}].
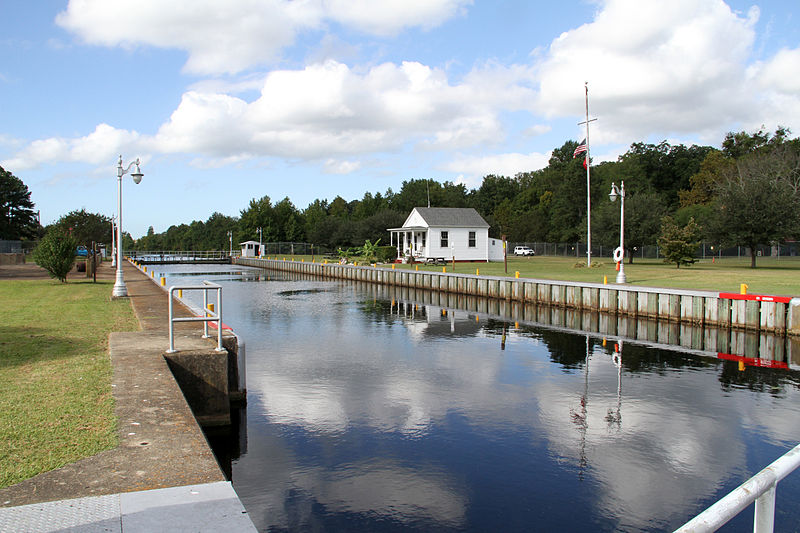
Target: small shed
[
  {"x": 250, "y": 248},
  {"x": 445, "y": 233}
]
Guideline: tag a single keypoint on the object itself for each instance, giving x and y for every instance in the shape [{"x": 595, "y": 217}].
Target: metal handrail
[
  {"x": 208, "y": 315},
  {"x": 760, "y": 489}
]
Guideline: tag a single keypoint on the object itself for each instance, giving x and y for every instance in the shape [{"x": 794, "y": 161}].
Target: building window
[
  {"x": 423, "y": 239},
  {"x": 472, "y": 239},
  {"x": 443, "y": 243}
]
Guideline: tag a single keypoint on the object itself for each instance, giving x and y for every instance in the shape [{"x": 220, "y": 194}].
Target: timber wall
[{"x": 758, "y": 313}]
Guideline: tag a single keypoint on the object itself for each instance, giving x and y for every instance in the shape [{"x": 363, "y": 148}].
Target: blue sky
[{"x": 234, "y": 100}]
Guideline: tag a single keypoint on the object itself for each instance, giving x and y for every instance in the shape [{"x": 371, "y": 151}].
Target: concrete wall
[
  {"x": 701, "y": 308},
  {"x": 12, "y": 259}
]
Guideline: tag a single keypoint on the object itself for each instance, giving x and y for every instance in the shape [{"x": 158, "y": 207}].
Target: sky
[{"x": 227, "y": 101}]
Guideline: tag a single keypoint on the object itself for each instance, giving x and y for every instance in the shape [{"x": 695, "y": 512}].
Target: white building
[
  {"x": 250, "y": 248},
  {"x": 444, "y": 233}
]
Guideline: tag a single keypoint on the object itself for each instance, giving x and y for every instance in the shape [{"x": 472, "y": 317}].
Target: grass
[
  {"x": 56, "y": 405},
  {"x": 775, "y": 276}
]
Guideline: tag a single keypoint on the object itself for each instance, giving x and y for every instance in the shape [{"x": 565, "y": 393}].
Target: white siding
[
  {"x": 495, "y": 250},
  {"x": 458, "y": 244},
  {"x": 414, "y": 219}
]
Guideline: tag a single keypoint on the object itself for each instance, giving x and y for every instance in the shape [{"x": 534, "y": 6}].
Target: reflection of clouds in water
[
  {"x": 390, "y": 490},
  {"x": 291, "y": 487},
  {"x": 679, "y": 438}
]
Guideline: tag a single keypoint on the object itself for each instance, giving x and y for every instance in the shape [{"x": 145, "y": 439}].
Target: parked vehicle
[
  {"x": 523, "y": 250},
  {"x": 82, "y": 251}
]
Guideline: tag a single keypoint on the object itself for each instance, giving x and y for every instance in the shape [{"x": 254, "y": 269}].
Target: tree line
[{"x": 747, "y": 193}]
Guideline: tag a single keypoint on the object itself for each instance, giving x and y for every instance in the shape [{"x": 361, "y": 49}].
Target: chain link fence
[{"x": 704, "y": 251}]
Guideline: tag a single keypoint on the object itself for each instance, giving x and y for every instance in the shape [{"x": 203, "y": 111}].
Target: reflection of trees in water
[
  {"x": 569, "y": 350},
  {"x": 757, "y": 379}
]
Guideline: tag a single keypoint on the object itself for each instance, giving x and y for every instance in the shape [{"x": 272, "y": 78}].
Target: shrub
[
  {"x": 56, "y": 253},
  {"x": 386, "y": 254}
]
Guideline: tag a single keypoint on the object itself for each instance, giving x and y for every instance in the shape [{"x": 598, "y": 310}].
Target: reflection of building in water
[
  {"x": 752, "y": 349},
  {"x": 432, "y": 321}
]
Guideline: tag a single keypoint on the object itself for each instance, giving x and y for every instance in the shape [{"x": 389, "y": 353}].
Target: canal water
[{"x": 367, "y": 412}]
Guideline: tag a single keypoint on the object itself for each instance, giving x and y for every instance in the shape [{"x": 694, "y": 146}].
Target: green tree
[
  {"x": 643, "y": 216},
  {"x": 757, "y": 201},
  {"x": 86, "y": 227},
  {"x": 678, "y": 244},
  {"x": 56, "y": 253},
  {"x": 18, "y": 220}
]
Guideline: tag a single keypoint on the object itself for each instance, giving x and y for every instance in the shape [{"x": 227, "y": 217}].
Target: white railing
[
  {"x": 210, "y": 314},
  {"x": 759, "y": 489},
  {"x": 172, "y": 256}
]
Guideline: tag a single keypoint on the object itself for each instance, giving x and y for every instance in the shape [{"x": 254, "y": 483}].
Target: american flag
[{"x": 580, "y": 149}]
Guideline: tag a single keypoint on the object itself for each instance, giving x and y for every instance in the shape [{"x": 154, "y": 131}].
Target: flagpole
[{"x": 588, "y": 186}]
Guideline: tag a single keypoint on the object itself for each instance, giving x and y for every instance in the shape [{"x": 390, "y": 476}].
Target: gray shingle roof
[{"x": 456, "y": 217}]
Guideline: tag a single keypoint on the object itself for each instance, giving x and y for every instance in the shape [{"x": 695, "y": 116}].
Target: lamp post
[
  {"x": 259, "y": 242},
  {"x": 620, "y": 252},
  {"x": 230, "y": 240},
  {"x": 120, "y": 290},
  {"x": 113, "y": 243}
]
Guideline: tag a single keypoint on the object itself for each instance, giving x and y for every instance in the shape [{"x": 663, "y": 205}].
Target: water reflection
[{"x": 372, "y": 409}]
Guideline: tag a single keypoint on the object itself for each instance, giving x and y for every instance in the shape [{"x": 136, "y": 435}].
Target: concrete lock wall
[{"x": 776, "y": 315}]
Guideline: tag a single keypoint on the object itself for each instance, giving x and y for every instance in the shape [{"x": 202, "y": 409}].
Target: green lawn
[
  {"x": 55, "y": 400},
  {"x": 772, "y": 276}
]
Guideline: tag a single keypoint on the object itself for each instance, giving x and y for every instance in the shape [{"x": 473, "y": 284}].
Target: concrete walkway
[{"x": 163, "y": 475}]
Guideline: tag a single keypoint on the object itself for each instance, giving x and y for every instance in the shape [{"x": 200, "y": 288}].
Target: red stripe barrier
[
  {"x": 756, "y": 297},
  {"x": 749, "y": 361}
]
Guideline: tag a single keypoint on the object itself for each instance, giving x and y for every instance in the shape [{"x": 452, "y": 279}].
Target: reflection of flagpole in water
[
  {"x": 614, "y": 418},
  {"x": 580, "y": 419}
]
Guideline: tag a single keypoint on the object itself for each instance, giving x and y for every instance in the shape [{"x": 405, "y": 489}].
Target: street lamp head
[
  {"x": 137, "y": 176},
  {"x": 613, "y": 194}
]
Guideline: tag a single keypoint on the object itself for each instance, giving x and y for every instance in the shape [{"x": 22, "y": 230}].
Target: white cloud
[
  {"x": 102, "y": 145},
  {"x": 779, "y": 73},
  {"x": 653, "y": 66},
  {"x": 333, "y": 166},
  {"x": 473, "y": 168},
  {"x": 232, "y": 36},
  {"x": 329, "y": 110}
]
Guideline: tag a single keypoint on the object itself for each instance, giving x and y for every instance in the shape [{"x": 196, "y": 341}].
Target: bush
[
  {"x": 56, "y": 253},
  {"x": 386, "y": 254}
]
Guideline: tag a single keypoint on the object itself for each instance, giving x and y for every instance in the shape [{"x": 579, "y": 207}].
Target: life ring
[{"x": 618, "y": 254}]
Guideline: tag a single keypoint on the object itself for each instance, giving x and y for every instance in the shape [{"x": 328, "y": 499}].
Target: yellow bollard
[
  {"x": 516, "y": 325},
  {"x": 163, "y": 281},
  {"x": 210, "y": 307},
  {"x": 303, "y": 260},
  {"x": 741, "y": 366},
  {"x": 416, "y": 267},
  {"x": 516, "y": 274},
  {"x": 145, "y": 270},
  {"x": 392, "y": 266},
  {"x": 605, "y": 280},
  {"x": 180, "y": 293},
  {"x": 476, "y": 318},
  {"x": 326, "y": 261},
  {"x": 153, "y": 274},
  {"x": 743, "y": 288},
  {"x": 477, "y": 271},
  {"x": 444, "y": 269}
]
